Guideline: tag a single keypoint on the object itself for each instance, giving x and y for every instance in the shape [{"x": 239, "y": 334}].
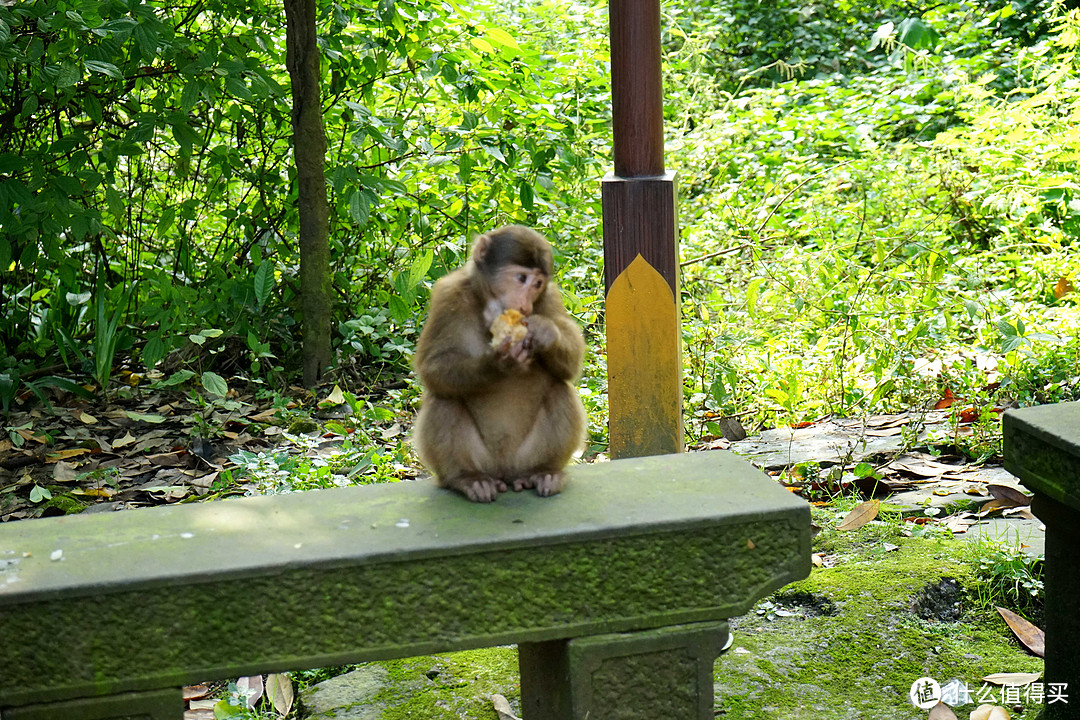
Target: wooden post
[{"x": 641, "y": 269}]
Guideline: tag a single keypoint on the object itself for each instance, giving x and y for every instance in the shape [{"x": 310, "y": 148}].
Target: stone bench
[
  {"x": 616, "y": 591},
  {"x": 1042, "y": 449}
]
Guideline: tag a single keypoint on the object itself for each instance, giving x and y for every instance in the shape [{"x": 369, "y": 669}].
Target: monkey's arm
[
  {"x": 559, "y": 344},
  {"x": 454, "y": 373},
  {"x": 563, "y": 357},
  {"x": 453, "y": 357}
]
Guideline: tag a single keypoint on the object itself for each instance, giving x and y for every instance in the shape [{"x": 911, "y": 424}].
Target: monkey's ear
[{"x": 480, "y": 249}]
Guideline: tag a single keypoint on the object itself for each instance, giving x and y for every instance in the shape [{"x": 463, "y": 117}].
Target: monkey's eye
[
  {"x": 538, "y": 284},
  {"x": 522, "y": 277}
]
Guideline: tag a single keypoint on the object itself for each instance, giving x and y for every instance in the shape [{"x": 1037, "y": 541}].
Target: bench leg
[
  {"x": 155, "y": 705},
  {"x": 1061, "y": 585},
  {"x": 662, "y": 673}
]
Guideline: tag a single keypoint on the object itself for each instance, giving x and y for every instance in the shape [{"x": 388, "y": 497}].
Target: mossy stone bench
[
  {"x": 616, "y": 591},
  {"x": 1042, "y": 449}
]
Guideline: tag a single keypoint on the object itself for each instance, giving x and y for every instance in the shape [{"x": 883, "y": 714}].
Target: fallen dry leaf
[
  {"x": 502, "y": 708},
  {"x": 989, "y": 712},
  {"x": 1064, "y": 287},
  {"x": 941, "y": 711},
  {"x": 1004, "y": 492},
  {"x": 862, "y": 514},
  {"x": 336, "y": 397},
  {"x": 946, "y": 401},
  {"x": 994, "y": 506},
  {"x": 101, "y": 492},
  {"x": 65, "y": 454},
  {"x": 1012, "y": 679},
  {"x": 251, "y": 689},
  {"x": 279, "y": 691},
  {"x": 64, "y": 472},
  {"x": 1032, "y": 637},
  {"x": 959, "y": 523},
  {"x": 1019, "y": 512}
]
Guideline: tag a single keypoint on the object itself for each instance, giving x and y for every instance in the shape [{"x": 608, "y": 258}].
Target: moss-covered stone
[
  {"x": 380, "y": 572},
  {"x": 851, "y": 649}
]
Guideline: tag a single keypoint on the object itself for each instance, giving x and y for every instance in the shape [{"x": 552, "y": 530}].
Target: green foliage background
[{"x": 878, "y": 200}]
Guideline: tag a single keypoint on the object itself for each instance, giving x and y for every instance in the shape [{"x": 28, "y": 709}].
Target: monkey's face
[{"x": 517, "y": 287}]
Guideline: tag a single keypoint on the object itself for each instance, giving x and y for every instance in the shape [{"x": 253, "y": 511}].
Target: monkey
[{"x": 498, "y": 414}]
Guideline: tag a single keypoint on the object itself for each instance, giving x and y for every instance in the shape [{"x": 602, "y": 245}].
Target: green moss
[
  {"x": 861, "y": 660},
  {"x": 62, "y": 502},
  {"x": 302, "y": 425},
  {"x": 453, "y": 686}
]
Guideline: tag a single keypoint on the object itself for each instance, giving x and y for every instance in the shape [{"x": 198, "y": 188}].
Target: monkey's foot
[
  {"x": 480, "y": 488},
  {"x": 546, "y": 484}
]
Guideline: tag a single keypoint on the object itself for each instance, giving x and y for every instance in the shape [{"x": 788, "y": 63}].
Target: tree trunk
[{"x": 309, "y": 146}]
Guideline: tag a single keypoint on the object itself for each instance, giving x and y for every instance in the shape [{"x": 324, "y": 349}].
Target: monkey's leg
[
  {"x": 558, "y": 432},
  {"x": 449, "y": 444}
]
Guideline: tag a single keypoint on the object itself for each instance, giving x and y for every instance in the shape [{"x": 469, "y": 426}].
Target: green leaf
[
  {"x": 881, "y": 35},
  {"x": 165, "y": 223},
  {"x": 177, "y": 378},
  {"x": 238, "y": 88},
  {"x": 93, "y": 108},
  {"x": 498, "y": 36},
  {"x": 147, "y": 40},
  {"x": 115, "y": 202},
  {"x": 916, "y": 34},
  {"x": 399, "y": 310},
  {"x": 153, "y": 351},
  {"x": 465, "y": 166},
  {"x": 104, "y": 68},
  {"x": 68, "y": 76},
  {"x": 264, "y": 282},
  {"x": 495, "y": 152},
  {"x": 214, "y": 384},
  {"x": 10, "y": 163},
  {"x": 359, "y": 207},
  {"x": 482, "y": 45},
  {"x": 226, "y": 711},
  {"x": 419, "y": 269},
  {"x": 863, "y": 470},
  {"x": 30, "y": 105},
  {"x": 38, "y": 494},
  {"x": 525, "y": 194},
  {"x": 752, "y": 294},
  {"x": 190, "y": 96}
]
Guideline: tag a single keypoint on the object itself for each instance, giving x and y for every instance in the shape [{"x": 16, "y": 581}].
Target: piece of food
[{"x": 508, "y": 325}]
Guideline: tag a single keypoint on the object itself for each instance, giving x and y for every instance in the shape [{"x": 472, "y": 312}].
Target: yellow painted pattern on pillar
[{"x": 644, "y": 348}]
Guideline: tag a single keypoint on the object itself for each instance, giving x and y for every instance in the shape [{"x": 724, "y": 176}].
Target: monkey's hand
[
  {"x": 543, "y": 332},
  {"x": 519, "y": 353}
]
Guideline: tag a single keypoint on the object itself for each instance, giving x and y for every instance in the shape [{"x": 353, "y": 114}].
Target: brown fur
[{"x": 494, "y": 418}]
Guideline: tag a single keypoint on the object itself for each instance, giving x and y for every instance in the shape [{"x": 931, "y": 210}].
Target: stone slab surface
[
  {"x": 1042, "y": 448},
  {"x": 181, "y": 594}
]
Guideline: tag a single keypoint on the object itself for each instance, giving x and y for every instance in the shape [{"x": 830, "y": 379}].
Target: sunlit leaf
[
  {"x": 1032, "y": 637},
  {"x": 862, "y": 514}
]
